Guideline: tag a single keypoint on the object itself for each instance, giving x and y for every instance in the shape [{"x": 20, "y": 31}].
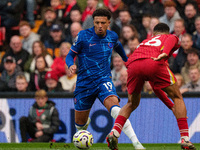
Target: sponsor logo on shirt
[
  {"x": 75, "y": 40},
  {"x": 110, "y": 45},
  {"x": 92, "y": 44}
]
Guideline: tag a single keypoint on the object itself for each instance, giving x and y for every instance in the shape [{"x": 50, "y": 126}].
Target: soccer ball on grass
[{"x": 83, "y": 139}]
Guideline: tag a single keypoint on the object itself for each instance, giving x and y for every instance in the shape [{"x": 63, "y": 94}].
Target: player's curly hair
[
  {"x": 161, "y": 27},
  {"x": 102, "y": 12}
]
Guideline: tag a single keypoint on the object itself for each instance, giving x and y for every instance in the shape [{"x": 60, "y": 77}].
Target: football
[{"x": 83, "y": 139}]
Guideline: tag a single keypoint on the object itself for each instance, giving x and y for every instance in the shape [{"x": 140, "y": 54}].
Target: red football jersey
[{"x": 154, "y": 46}]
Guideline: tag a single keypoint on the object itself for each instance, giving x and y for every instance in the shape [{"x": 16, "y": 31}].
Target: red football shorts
[{"x": 143, "y": 70}]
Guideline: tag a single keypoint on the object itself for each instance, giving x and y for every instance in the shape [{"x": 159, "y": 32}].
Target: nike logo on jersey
[{"x": 92, "y": 44}]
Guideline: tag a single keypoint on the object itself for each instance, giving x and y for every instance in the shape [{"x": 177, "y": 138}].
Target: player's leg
[
  {"x": 180, "y": 113},
  {"x": 122, "y": 123},
  {"x": 164, "y": 79},
  {"x": 82, "y": 119},
  {"x": 112, "y": 104},
  {"x": 124, "y": 113},
  {"x": 162, "y": 96},
  {"x": 134, "y": 87},
  {"x": 83, "y": 104}
]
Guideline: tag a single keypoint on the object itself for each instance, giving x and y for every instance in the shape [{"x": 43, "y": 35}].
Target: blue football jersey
[{"x": 94, "y": 57}]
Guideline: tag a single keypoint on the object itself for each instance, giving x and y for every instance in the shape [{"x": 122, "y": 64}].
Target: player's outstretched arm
[
  {"x": 160, "y": 57},
  {"x": 70, "y": 58},
  {"x": 120, "y": 50},
  {"x": 70, "y": 61}
]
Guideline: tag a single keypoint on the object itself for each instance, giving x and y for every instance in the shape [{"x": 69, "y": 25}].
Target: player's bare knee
[{"x": 132, "y": 105}]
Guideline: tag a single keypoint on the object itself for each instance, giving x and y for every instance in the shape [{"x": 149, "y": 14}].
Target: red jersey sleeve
[{"x": 171, "y": 44}]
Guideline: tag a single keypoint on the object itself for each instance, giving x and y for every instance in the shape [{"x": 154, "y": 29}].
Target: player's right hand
[
  {"x": 72, "y": 68},
  {"x": 160, "y": 57}
]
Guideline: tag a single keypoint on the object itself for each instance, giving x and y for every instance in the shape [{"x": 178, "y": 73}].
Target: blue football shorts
[{"x": 86, "y": 98}]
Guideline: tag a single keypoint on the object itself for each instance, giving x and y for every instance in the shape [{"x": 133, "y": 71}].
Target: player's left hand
[{"x": 160, "y": 57}]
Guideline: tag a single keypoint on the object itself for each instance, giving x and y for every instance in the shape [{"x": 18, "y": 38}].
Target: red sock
[
  {"x": 183, "y": 126},
  {"x": 119, "y": 123}
]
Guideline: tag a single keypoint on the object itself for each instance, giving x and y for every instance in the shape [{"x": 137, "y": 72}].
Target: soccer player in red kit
[{"x": 147, "y": 63}]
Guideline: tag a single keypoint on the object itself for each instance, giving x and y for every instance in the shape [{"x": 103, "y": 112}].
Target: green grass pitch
[{"x": 96, "y": 146}]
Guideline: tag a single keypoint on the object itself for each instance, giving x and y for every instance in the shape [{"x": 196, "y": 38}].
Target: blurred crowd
[{"x": 36, "y": 36}]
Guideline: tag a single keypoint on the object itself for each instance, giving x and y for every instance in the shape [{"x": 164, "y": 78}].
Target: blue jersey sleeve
[
  {"x": 70, "y": 58},
  {"x": 120, "y": 50},
  {"x": 77, "y": 45},
  {"x": 75, "y": 49}
]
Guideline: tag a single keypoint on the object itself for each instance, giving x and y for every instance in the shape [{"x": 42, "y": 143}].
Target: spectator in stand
[
  {"x": 29, "y": 37},
  {"x": 180, "y": 6},
  {"x": 50, "y": 18},
  {"x": 21, "y": 84},
  {"x": 146, "y": 19},
  {"x": 118, "y": 65},
  {"x": 16, "y": 51},
  {"x": 123, "y": 19},
  {"x": 74, "y": 30},
  {"x": 30, "y": 6},
  {"x": 56, "y": 38},
  {"x": 153, "y": 22},
  {"x": 194, "y": 84},
  {"x": 127, "y": 32},
  {"x": 190, "y": 15},
  {"x": 3, "y": 85},
  {"x": 42, "y": 121},
  {"x": 75, "y": 16},
  {"x": 88, "y": 23},
  {"x": 52, "y": 83},
  {"x": 123, "y": 81},
  {"x": 196, "y": 34},
  {"x": 69, "y": 6},
  {"x": 179, "y": 61},
  {"x": 56, "y": 4},
  {"x": 10, "y": 15},
  {"x": 180, "y": 80},
  {"x": 170, "y": 15},
  {"x": 37, "y": 78},
  {"x": 90, "y": 8},
  {"x": 59, "y": 64},
  {"x": 127, "y": 2},
  {"x": 157, "y": 7},
  {"x": 133, "y": 42},
  {"x": 140, "y": 8},
  {"x": 9, "y": 74},
  {"x": 192, "y": 61},
  {"x": 115, "y": 6},
  {"x": 58, "y": 7},
  {"x": 38, "y": 48},
  {"x": 179, "y": 30},
  {"x": 68, "y": 81}
]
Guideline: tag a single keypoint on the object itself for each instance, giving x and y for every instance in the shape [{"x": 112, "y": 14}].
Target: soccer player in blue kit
[{"x": 94, "y": 48}]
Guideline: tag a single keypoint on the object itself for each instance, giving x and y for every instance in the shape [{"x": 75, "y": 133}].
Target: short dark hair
[
  {"x": 193, "y": 51},
  {"x": 161, "y": 27},
  {"x": 102, "y": 12}
]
